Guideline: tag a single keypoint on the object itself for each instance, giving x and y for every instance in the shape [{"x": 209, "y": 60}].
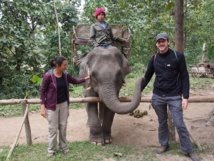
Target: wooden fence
[{"x": 205, "y": 99}]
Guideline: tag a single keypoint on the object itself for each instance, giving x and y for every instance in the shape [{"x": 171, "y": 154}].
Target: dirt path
[{"x": 126, "y": 129}]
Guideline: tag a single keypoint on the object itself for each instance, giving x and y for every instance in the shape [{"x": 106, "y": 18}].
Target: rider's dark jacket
[{"x": 102, "y": 37}]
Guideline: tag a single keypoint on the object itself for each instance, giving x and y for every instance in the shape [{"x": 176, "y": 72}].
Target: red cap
[{"x": 99, "y": 11}]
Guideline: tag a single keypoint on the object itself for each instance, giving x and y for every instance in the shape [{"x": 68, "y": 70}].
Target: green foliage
[
  {"x": 18, "y": 86},
  {"x": 142, "y": 18},
  {"x": 37, "y": 80},
  {"x": 29, "y": 37},
  {"x": 16, "y": 110},
  {"x": 147, "y": 18}
]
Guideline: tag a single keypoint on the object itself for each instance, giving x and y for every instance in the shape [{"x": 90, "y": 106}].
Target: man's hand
[
  {"x": 43, "y": 111},
  {"x": 184, "y": 104}
]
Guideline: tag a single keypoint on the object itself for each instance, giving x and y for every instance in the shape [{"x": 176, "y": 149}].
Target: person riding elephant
[
  {"x": 108, "y": 67},
  {"x": 101, "y": 33}
]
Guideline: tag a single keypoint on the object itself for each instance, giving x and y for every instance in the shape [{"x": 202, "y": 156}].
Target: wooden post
[
  {"x": 203, "y": 51},
  {"x": 27, "y": 124},
  {"x": 17, "y": 137}
]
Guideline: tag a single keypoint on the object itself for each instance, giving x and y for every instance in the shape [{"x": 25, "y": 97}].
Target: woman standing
[{"x": 54, "y": 97}]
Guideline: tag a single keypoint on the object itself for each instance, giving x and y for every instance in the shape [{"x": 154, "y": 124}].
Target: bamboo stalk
[
  {"x": 57, "y": 21},
  {"x": 195, "y": 141},
  {"x": 17, "y": 137}
]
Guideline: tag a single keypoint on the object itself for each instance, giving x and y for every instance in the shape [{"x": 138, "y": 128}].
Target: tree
[
  {"x": 28, "y": 39},
  {"x": 142, "y": 17},
  {"x": 179, "y": 27}
]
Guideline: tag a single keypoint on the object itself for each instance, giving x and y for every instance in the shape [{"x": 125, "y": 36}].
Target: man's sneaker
[
  {"x": 162, "y": 149},
  {"x": 49, "y": 155},
  {"x": 194, "y": 157}
]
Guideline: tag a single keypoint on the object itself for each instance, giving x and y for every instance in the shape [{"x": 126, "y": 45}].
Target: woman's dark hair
[{"x": 57, "y": 61}]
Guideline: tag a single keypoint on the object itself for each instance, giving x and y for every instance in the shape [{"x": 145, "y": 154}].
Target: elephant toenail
[{"x": 99, "y": 144}]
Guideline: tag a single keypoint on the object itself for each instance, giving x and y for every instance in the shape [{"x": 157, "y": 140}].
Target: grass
[
  {"x": 201, "y": 83},
  {"x": 16, "y": 110},
  {"x": 83, "y": 151}
]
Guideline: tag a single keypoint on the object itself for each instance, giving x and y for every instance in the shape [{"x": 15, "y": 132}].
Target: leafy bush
[{"x": 18, "y": 86}]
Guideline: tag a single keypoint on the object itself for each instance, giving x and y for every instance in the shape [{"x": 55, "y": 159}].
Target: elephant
[{"x": 108, "y": 68}]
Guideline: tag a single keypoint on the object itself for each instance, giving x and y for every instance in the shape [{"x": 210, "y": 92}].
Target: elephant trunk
[{"x": 108, "y": 94}]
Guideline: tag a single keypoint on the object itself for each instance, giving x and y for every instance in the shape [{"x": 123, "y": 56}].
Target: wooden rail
[{"x": 202, "y": 99}]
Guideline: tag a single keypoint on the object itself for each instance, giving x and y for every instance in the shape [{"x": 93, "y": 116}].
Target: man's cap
[{"x": 162, "y": 36}]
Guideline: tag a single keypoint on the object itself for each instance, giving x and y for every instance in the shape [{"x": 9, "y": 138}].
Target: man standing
[{"x": 171, "y": 83}]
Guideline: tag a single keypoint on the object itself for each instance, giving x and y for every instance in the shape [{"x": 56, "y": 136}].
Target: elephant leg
[
  {"x": 107, "y": 123},
  {"x": 87, "y": 123},
  {"x": 96, "y": 134},
  {"x": 101, "y": 111}
]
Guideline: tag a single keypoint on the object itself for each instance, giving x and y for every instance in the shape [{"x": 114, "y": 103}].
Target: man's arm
[
  {"x": 92, "y": 36},
  {"x": 149, "y": 73},
  {"x": 184, "y": 76}
]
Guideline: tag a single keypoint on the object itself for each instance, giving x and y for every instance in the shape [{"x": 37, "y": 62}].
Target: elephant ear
[
  {"x": 84, "y": 65},
  {"x": 126, "y": 68},
  {"x": 90, "y": 58}
]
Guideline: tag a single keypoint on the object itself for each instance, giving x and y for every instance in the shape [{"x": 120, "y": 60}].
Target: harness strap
[
  {"x": 105, "y": 31},
  {"x": 155, "y": 55}
]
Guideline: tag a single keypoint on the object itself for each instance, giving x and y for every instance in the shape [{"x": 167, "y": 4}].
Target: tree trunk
[
  {"x": 1, "y": 81},
  {"x": 179, "y": 46},
  {"x": 179, "y": 26}
]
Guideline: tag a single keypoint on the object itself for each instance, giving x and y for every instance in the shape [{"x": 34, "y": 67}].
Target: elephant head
[{"x": 108, "y": 69}]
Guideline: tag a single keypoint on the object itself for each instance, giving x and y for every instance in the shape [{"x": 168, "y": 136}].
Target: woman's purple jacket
[{"x": 48, "y": 90}]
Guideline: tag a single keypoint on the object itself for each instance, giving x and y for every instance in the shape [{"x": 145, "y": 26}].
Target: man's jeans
[
  {"x": 175, "y": 107},
  {"x": 57, "y": 120}
]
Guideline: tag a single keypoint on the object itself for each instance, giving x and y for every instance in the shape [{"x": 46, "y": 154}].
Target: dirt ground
[{"x": 126, "y": 129}]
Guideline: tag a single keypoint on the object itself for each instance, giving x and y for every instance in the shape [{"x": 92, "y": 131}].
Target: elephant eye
[
  {"x": 94, "y": 75},
  {"x": 118, "y": 74}
]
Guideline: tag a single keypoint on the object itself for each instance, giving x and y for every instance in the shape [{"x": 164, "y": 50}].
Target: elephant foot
[
  {"x": 96, "y": 143},
  {"x": 107, "y": 141}
]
